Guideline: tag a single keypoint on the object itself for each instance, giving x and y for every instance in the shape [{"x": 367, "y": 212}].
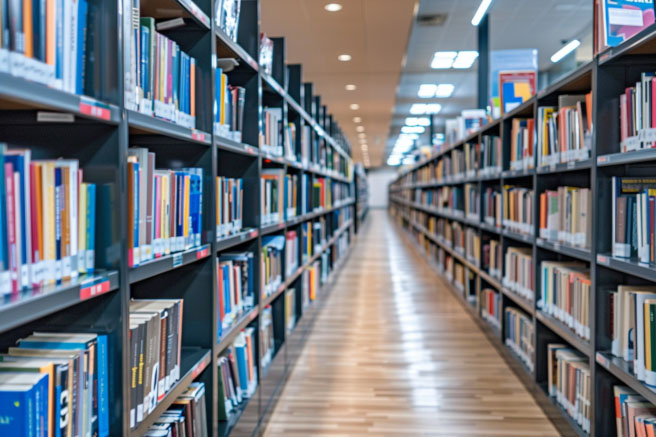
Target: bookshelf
[
  {"x": 606, "y": 77},
  {"x": 98, "y": 128},
  {"x": 361, "y": 195}
]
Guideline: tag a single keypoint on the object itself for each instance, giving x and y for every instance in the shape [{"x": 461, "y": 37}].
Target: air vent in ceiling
[{"x": 431, "y": 19}]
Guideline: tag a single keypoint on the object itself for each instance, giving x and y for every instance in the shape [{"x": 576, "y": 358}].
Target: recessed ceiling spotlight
[
  {"x": 365, "y": 147},
  {"x": 350, "y": 87},
  {"x": 357, "y": 119},
  {"x": 344, "y": 57},
  {"x": 360, "y": 128},
  {"x": 354, "y": 106},
  {"x": 333, "y": 7},
  {"x": 362, "y": 135}
]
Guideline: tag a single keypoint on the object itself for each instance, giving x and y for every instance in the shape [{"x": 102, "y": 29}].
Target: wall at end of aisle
[{"x": 378, "y": 180}]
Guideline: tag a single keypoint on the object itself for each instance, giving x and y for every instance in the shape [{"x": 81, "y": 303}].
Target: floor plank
[{"x": 394, "y": 353}]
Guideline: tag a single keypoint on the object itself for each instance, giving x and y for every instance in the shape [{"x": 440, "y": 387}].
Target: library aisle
[{"x": 394, "y": 353}]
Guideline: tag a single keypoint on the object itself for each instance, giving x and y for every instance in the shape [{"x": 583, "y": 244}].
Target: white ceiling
[{"x": 514, "y": 24}]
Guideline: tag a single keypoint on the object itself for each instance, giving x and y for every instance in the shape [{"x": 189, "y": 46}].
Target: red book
[
  {"x": 12, "y": 247},
  {"x": 221, "y": 295},
  {"x": 653, "y": 104}
]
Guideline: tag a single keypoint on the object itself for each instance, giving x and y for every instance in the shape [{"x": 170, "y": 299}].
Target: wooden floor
[{"x": 394, "y": 353}]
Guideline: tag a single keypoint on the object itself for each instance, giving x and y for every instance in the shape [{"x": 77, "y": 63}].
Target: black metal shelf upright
[
  {"x": 97, "y": 129},
  {"x": 606, "y": 77}
]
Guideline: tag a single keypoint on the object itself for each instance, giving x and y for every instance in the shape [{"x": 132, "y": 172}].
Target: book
[
  {"x": 290, "y": 310},
  {"x": 492, "y": 207},
  {"x": 271, "y": 137},
  {"x": 24, "y": 403},
  {"x": 522, "y": 144},
  {"x": 518, "y": 209},
  {"x": 229, "y": 206},
  {"x": 518, "y": 271},
  {"x": 633, "y": 218},
  {"x": 491, "y": 306},
  {"x": 570, "y": 383},
  {"x": 266, "y": 339},
  {"x": 292, "y": 260},
  {"x": 491, "y": 151},
  {"x": 236, "y": 293},
  {"x": 271, "y": 264},
  {"x": 565, "y": 216},
  {"x": 272, "y": 186},
  {"x": 621, "y": 19},
  {"x": 519, "y": 331}
]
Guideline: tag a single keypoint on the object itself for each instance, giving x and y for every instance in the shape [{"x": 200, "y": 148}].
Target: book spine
[{"x": 89, "y": 255}]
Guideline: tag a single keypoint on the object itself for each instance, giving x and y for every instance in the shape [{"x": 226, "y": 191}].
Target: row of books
[
  {"x": 473, "y": 246},
  {"x": 518, "y": 209},
  {"x": 492, "y": 207},
  {"x": 55, "y": 383},
  {"x": 634, "y": 218},
  {"x": 635, "y": 416},
  {"x": 292, "y": 259},
  {"x": 472, "y": 159},
  {"x": 271, "y": 138},
  {"x": 564, "y": 132},
  {"x": 47, "y": 221},
  {"x": 236, "y": 289},
  {"x": 519, "y": 331},
  {"x": 637, "y": 115},
  {"x": 160, "y": 78},
  {"x": 50, "y": 42},
  {"x": 155, "y": 352},
  {"x": 237, "y": 373},
  {"x": 492, "y": 156},
  {"x": 568, "y": 379},
  {"x": 271, "y": 264},
  {"x": 229, "y": 104},
  {"x": 322, "y": 194},
  {"x": 266, "y": 340},
  {"x": 229, "y": 206},
  {"x": 278, "y": 196},
  {"x": 492, "y": 258},
  {"x": 522, "y": 143},
  {"x": 313, "y": 237},
  {"x": 472, "y": 202},
  {"x": 565, "y": 294},
  {"x": 633, "y": 329},
  {"x": 518, "y": 271},
  {"x": 565, "y": 216},
  {"x": 187, "y": 415},
  {"x": 491, "y": 306},
  {"x": 165, "y": 208}
]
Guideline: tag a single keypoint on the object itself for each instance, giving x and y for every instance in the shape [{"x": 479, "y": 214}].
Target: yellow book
[
  {"x": 37, "y": 189},
  {"x": 82, "y": 228},
  {"x": 222, "y": 98},
  {"x": 48, "y": 192},
  {"x": 647, "y": 327}
]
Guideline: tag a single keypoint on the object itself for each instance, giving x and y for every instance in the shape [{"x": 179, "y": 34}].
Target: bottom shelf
[{"x": 572, "y": 423}]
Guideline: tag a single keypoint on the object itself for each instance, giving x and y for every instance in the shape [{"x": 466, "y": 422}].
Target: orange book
[
  {"x": 249, "y": 357},
  {"x": 28, "y": 31},
  {"x": 530, "y": 123},
  {"x": 543, "y": 211},
  {"x": 588, "y": 109},
  {"x": 51, "y": 33}
]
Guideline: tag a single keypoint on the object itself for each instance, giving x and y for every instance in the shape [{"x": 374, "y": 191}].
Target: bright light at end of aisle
[
  {"x": 569, "y": 48},
  {"x": 344, "y": 57},
  {"x": 480, "y": 12},
  {"x": 333, "y": 7}
]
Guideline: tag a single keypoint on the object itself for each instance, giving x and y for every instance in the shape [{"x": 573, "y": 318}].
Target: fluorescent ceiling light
[
  {"x": 426, "y": 90},
  {"x": 360, "y": 128},
  {"x": 404, "y": 137},
  {"x": 465, "y": 59},
  {"x": 357, "y": 120},
  {"x": 344, "y": 57},
  {"x": 413, "y": 129},
  {"x": 443, "y": 59},
  {"x": 333, "y": 7},
  {"x": 354, "y": 106},
  {"x": 480, "y": 12},
  {"x": 350, "y": 87},
  {"x": 569, "y": 48},
  {"x": 444, "y": 90},
  {"x": 417, "y": 121},
  {"x": 423, "y": 108}
]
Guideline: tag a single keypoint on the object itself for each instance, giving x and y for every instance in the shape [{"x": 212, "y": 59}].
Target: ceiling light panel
[
  {"x": 354, "y": 106},
  {"x": 465, "y": 59},
  {"x": 443, "y": 60},
  {"x": 444, "y": 90},
  {"x": 417, "y": 121},
  {"x": 350, "y": 87},
  {"x": 333, "y": 7},
  {"x": 344, "y": 57},
  {"x": 413, "y": 129},
  {"x": 427, "y": 90}
]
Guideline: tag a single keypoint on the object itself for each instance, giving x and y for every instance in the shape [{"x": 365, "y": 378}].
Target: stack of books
[
  {"x": 229, "y": 206},
  {"x": 565, "y": 216},
  {"x": 634, "y": 415},
  {"x": 564, "y": 132},
  {"x": 47, "y": 221},
  {"x": 518, "y": 271},
  {"x": 472, "y": 159},
  {"x": 155, "y": 347},
  {"x": 56, "y": 383},
  {"x": 518, "y": 209},
  {"x": 637, "y": 115},
  {"x": 235, "y": 288},
  {"x": 237, "y": 373},
  {"x": 566, "y": 294},
  {"x": 519, "y": 331},
  {"x": 165, "y": 208},
  {"x": 310, "y": 283},
  {"x": 186, "y": 416},
  {"x": 271, "y": 264},
  {"x": 521, "y": 144},
  {"x": 321, "y": 195},
  {"x": 473, "y": 246},
  {"x": 568, "y": 375}
]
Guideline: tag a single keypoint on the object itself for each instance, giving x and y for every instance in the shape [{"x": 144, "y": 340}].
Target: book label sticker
[
  {"x": 94, "y": 109},
  {"x": 54, "y": 117},
  {"x": 198, "y": 136},
  {"x": 176, "y": 260},
  {"x": 90, "y": 289},
  {"x": 202, "y": 253}
]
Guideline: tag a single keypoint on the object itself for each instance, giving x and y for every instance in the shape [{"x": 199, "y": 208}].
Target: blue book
[
  {"x": 136, "y": 207},
  {"x": 81, "y": 32},
  {"x": 226, "y": 290},
  {"x": 175, "y": 63},
  {"x": 242, "y": 363},
  {"x": 145, "y": 60},
  {"x": 103, "y": 387},
  {"x": 217, "y": 94},
  {"x": 91, "y": 228},
  {"x": 21, "y": 164},
  {"x": 184, "y": 82},
  {"x": 59, "y": 43},
  {"x": 59, "y": 188},
  {"x": 24, "y": 399},
  {"x": 194, "y": 204}
]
